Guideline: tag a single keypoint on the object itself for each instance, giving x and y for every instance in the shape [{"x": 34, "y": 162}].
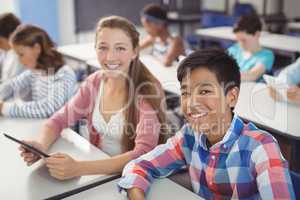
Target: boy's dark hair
[
  {"x": 216, "y": 61},
  {"x": 155, "y": 11},
  {"x": 8, "y": 24},
  {"x": 248, "y": 23}
]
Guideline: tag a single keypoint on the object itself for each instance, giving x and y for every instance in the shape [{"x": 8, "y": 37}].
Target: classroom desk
[
  {"x": 293, "y": 26},
  {"x": 76, "y": 55},
  {"x": 284, "y": 43},
  {"x": 166, "y": 75},
  {"x": 80, "y": 52},
  {"x": 255, "y": 104},
  {"x": 223, "y": 32},
  {"x": 278, "y": 118},
  {"x": 30, "y": 183},
  {"x": 277, "y": 42},
  {"x": 161, "y": 189}
]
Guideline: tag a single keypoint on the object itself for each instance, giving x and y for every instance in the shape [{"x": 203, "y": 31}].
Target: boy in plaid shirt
[{"x": 225, "y": 157}]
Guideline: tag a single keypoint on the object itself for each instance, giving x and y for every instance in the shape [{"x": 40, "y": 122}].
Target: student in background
[
  {"x": 123, "y": 105},
  {"x": 48, "y": 82},
  {"x": 9, "y": 64},
  {"x": 164, "y": 45},
  {"x": 291, "y": 75},
  {"x": 252, "y": 59},
  {"x": 226, "y": 158}
]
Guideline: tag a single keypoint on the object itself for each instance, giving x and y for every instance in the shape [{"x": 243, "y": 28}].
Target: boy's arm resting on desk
[
  {"x": 253, "y": 74},
  {"x": 272, "y": 173},
  {"x": 176, "y": 49},
  {"x": 160, "y": 162}
]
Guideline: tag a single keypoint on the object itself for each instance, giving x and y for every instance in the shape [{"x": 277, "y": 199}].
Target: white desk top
[
  {"x": 223, "y": 32},
  {"x": 281, "y": 42},
  {"x": 81, "y": 52},
  {"x": 293, "y": 25},
  {"x": 166, "y": 75},
  {"x": 268, "y": 40},
  {"x": 256, "y": 105},
  {"x": 161, "y": 189},
  {"x": 30, "y": 183}
]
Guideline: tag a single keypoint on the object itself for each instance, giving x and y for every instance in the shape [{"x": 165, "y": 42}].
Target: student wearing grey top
[{"x": 47, "y": 81}]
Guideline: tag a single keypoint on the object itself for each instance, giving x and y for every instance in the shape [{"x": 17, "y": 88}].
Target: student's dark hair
[
  {"x": 155, "y": 11},
  {"x": 248, "y": 23},
  {"x": 49, "y": 60},
  {"x": 8, "y": 24},
  {"x": 216, "y": 61},
  {"x": 142, "y": 79}
]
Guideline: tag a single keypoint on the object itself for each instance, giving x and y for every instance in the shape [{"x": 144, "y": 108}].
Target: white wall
[
  {"x": 218, "y": 5},
  {"x": 8, "y": 6},
  {"x": 292, "y": 8},
  {"x": 258, "y": 4},
  {"x": 67, "y": 16},
  {"x": 66, "y": 22}
]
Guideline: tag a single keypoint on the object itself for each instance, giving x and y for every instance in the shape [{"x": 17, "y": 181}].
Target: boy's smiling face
[{"x": 205, "y": 105}]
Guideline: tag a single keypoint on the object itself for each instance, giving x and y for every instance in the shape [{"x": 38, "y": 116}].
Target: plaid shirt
[{"x": 246, "y": 164}]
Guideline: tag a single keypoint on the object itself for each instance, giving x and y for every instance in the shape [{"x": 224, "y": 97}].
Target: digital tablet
[
  {"x": 27, "y": 146},
  {"x": 279, "y": 85}
]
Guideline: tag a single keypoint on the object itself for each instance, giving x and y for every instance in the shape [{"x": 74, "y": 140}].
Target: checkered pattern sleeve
[
  {"x": 160, "y": 162},
  {"x": 272, "y": 174}
]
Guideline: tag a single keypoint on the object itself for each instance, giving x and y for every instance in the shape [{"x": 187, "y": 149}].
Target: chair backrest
[
  {"x": 242, "y": 9},
  {"x": 296, "y": 183},
  {"x": 214, "y": 19}
]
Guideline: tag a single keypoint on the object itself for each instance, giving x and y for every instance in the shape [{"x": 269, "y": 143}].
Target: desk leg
[
  {"x": 181, "y": 29},
  {"x": 295, "y": 154}
]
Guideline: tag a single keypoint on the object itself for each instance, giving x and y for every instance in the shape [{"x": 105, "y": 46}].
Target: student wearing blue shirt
[
  {"x": 252, "y": 59},
  {"x": 291, "y": 74}
]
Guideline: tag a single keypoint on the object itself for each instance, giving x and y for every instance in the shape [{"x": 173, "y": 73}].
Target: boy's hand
[{"x": 136, "y": 194}]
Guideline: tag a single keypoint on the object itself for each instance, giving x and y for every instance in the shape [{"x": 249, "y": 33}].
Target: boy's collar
[{"x": 233, "y": 132}]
